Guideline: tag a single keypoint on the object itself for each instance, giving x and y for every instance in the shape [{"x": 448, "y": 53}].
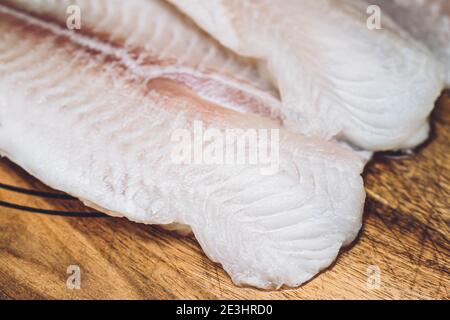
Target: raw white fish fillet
[
  {"x": 173, "y": 41},
  {"x": 337, "y": 77},
  {"x": 89, "y": 119},
  {"x": 426, "y": 20},
  {"x": 152, "y": 30}
]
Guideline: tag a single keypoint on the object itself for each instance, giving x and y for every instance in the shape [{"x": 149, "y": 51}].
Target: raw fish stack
[{"x": 93, "y": 112}]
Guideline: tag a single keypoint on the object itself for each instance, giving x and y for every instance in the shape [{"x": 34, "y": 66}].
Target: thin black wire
[
  {"x": 36, "y": 193},
  {"x": 52, "y": 212},
  {"x": 47, "y": 195}
]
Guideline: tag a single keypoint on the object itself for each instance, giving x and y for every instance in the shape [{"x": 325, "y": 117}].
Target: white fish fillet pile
[
  {"x": 426, "y": 20},
  {"x": 338, "y": 78},
  {"x": 86, "y": 122},
  {"x": 93, "y": 113}
]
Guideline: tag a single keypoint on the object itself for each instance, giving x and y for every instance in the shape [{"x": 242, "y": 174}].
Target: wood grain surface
[{"x": 404, "y": 242}]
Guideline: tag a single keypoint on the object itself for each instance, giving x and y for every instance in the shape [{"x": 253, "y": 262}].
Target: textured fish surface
[
  {"x": 426, "y": 20},
  {"x": 152, "y": 30},
  {"x": 89, "y": 118},
  {"x": 338, "y": 77},
  {"x": 172, "y": 41}
]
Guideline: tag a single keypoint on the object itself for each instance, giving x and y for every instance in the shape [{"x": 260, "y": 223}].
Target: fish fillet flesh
[
  {"x": 88, "y": 117},
  {"x": 171, "y": 39},
  {"x": 427, "y": 21},
  {"x": 337, "y": 77},
  {"x": 204, "y": 61}
]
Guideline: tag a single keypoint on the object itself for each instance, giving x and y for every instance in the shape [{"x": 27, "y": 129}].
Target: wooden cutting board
[{"x": 402, "y": 251}]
